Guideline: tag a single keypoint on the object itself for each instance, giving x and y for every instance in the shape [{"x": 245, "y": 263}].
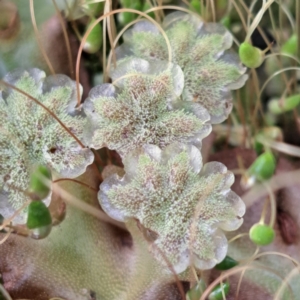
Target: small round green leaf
[
  {"x": 250, "y": 56},
  {"x": 226, "y": 21},
  {"x": 38, "y": 182},
  {"x": 38, "y": 215},
  {"x": 126, "y": 17},
  {"x": 290, "y": 46},
  {"x": 227, "y": 263},
  {"x": 261, "y": 234},
  {"x": 94, "y": 40},
  {"x": 196, "y": 291},
  {"x": 263, "y": 167},
  {"x": 278, "y": 106},
  {"x": 217, "y": 292}
]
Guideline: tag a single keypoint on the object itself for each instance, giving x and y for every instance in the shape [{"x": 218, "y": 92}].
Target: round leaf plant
[
  {"x": 30, "y": 135},
  {"x": 182, "y": 206}
]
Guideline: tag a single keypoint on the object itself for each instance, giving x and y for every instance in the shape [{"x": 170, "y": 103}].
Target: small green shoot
[
  {"x": 261, "y": 234},
  {"x": 227, "y": 263},
  {"x": 251, "y": 57},
  {"x": 218, "y": 292}
]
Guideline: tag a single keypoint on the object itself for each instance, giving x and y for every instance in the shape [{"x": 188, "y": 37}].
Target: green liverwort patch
[
  {"x": 210, "y": 72},
  {"x": 31, "y": 136},
  {"x": 181, "y": 206},
  {"x": 142, "y": 106}
]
